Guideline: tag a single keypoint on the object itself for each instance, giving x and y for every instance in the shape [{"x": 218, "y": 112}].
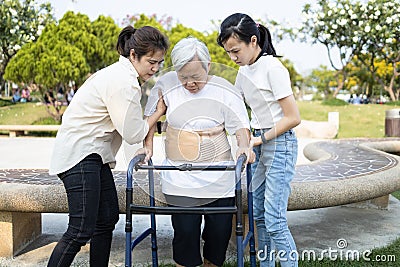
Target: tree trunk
[
  {"x": 389, "y": 88},
  {"x": 340, "y": 83},
  {"x": 338, "y": 88},
  {"x": 2, "y": 83}
]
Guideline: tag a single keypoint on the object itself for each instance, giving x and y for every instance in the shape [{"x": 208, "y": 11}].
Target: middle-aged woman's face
[
  {"x": 193, "y": 76},
  {"x": 148, "y": 64}
]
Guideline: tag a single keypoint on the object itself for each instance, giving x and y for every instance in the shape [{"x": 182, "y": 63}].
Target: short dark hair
[
  {"x": 143, "y": 40},
  {"x": 243, "y": 27}
]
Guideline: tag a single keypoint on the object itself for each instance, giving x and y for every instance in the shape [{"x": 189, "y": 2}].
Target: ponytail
[
  {"x": 143, "y": 40},
  {"x": 266, "y": 41},
  {"x": 244, "y": 27},
  {"x": 125, "y": 40}
]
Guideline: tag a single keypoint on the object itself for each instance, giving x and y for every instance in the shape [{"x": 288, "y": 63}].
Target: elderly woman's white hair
[{"x": 188, "y": 48}]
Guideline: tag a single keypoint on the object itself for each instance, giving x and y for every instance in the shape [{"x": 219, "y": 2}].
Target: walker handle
[
  {"x": 134, "y": 164},
  {"x": 241, "y": 163}
]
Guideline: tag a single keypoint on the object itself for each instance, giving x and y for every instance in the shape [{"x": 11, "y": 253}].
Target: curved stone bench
[
  {"x": 346, "y": 171},
  {"x": 341, "y": 172}
]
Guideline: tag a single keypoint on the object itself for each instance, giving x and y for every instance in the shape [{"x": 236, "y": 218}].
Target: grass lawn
[
  {"x": 27, "y": 114},
  {"x": 354, "y": 120},
  {"x": 23, "y": 113}
]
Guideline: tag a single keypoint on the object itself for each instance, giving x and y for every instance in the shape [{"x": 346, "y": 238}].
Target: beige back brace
[{"x": 209, "y": 145}]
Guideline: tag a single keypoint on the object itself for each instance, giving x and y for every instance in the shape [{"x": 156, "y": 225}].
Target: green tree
[
  {"x": 362, "y": 80},
  {"x": 20, "y": 23},
  {"x": 77, "y": 31},
  {"x": 65, "y": 52},
  {"x": 105, "y": 29},
  {"x": 379, "y": 23},
  {"x": 330, "y": 25},
  {"x": 323, "y": 80},
  {"x": 296, "y": 78},
  {"x": 363, "y": 30}
]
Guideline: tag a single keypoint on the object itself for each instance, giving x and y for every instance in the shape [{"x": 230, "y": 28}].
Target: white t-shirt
[
  {"x": 105, "y": 109},
  {"x": 263, "y": 83},
  {"x": 217, "y": 103}
]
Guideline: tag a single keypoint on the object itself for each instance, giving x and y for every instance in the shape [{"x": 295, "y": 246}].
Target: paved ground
[{"x": 318, "y": 229}]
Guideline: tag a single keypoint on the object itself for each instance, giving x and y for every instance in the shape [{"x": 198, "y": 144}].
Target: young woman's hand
[{"x": 255, "y": 141}]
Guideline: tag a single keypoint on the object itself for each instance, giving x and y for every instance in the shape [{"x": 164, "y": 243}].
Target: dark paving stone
[{"x": 348, "y": 160}]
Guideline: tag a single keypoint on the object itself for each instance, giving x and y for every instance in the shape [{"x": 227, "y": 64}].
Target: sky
[{"x": 198, "y": 15}]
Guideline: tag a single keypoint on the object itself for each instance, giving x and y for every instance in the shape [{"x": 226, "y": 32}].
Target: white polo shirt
[
  {"x": 217, "y": 103},
  {"x": 263, "y": 83},
  {"x": 105, "y": 110}
]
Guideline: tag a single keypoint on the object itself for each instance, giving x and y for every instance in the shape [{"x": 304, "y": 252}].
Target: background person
[
  {"x": 26, "y": 95},
  {"x": 105, "y": 110},
  {"x": 266, "y": 86},
  {"x": 200, "y": 108},
  {"x": 70, "y": 94},
  {"x": 16, "y": 96}
]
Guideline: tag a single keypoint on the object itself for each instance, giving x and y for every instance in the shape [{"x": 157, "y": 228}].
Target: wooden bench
[{"x": 16, "y": 130}]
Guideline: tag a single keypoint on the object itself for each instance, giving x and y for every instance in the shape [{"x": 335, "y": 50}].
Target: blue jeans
[
  {"x": 93, "y": 212},
  {"x": 273, "y": 171}
]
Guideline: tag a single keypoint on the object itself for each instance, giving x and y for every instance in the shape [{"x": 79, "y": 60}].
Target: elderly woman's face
[{"x": 193, "y": 76}]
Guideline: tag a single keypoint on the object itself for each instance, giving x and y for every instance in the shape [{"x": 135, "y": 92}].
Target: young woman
[
  {"x": 201, "y": 109},
  {"x": 105, "y": 110},
  {"x": 266, "y": 87}
]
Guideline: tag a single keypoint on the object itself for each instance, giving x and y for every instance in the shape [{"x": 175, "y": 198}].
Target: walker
[{"x": 152, "y": 210}]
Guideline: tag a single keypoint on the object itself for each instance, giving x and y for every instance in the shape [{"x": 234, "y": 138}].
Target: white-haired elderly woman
[{"x": 200, "y": 109}]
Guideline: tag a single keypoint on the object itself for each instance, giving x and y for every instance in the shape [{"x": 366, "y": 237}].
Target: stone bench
[
  {"x": 319, "y": 129},
  {"x": 16, "y": 130},
  {"x": 341, "y": 172}
]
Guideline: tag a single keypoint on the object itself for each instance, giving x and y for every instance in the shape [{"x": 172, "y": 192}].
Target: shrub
[
  {"x": 393, "y": 103},
  {"x": 4, "y": 102},
  {"x": 46, "y": 121},
  {"x": 334, "y": 102}
]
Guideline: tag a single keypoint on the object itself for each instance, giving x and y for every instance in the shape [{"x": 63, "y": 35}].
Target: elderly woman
[{"x": 200, "y": 109}]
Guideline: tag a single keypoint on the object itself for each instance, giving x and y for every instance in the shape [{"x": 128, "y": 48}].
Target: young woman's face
[
  {"x": 240, "y": 52},
  {"x": 193, "y": 76},
  {"x": 148, "y": 64}
]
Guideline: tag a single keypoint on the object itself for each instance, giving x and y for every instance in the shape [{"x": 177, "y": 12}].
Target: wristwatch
[{"x": 263, "y": 138}]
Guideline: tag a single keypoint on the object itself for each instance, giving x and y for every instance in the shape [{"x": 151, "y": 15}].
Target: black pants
[
  {"x": 93, "y": 213},
  {"x": 216, "y": 234}
]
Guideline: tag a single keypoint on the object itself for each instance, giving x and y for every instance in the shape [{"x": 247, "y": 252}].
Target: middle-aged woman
[
  {"x": 201, "y": 108},
  {"x": 104, "y": 111},
  {"x": 266, "y": 86}
]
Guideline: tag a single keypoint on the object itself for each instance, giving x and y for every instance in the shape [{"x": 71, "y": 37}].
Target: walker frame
[{"x": 152, "y": 209}]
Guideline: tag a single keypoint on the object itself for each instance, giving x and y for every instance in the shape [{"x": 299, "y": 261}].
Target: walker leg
[
  {"x": 251, "y": 218},
  {"x": 239, "y": 228},
  {"x": 128, "y": 251},
  {"x": 154, "y": 247}
]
